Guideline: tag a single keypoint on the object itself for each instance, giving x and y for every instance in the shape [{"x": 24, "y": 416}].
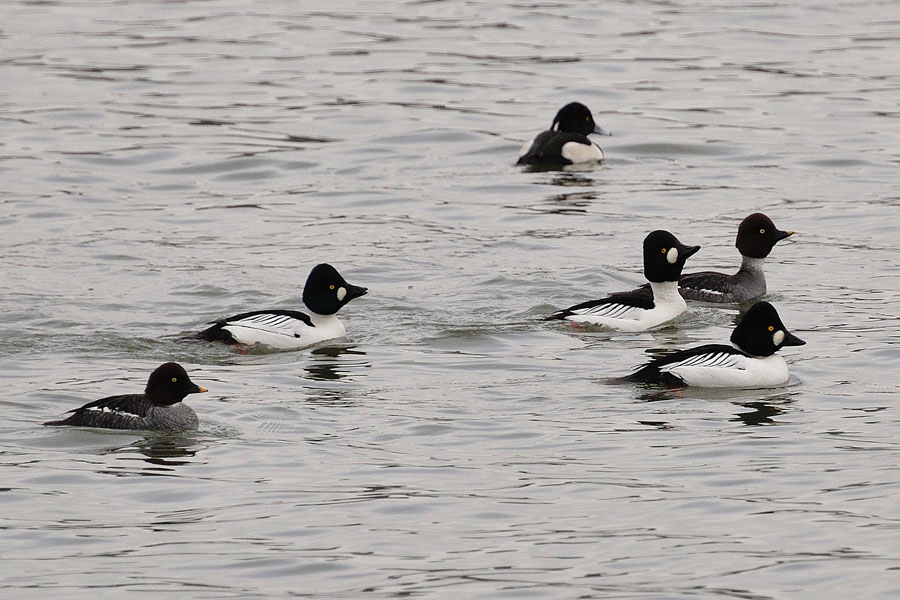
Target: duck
[
  {"x": 566, "y": 142},
  {"x": 324, "y": 294},
  {"x": 756, "y": 236},
  {"x": 750, "y": 362},
  {"x": 639, "y": 310},
  {"x": 159, "y": 408}
]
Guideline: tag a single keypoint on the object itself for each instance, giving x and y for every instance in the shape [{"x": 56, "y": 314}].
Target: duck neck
[
  {"x": 666, "y": 292},
  {"x": 320, "y": 319},
  {"x": 752, "y": 265}
]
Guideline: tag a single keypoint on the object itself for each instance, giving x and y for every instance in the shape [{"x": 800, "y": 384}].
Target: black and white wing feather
[
  {"x": 706, "y": 286},
  {"x": 671, "y": 368},
  {"x": 114, "y": 412},
  {"x": 615, "y": 306},
  {"x": 275, "y": 322}
]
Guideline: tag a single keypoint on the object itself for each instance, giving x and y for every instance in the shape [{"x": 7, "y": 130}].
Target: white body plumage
[
  {"x": 726, "y": 370},
  {"x": 284, "y": 332},
  {"x": 667, "y": 302}
]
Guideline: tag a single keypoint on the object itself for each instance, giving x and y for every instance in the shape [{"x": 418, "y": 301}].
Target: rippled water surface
[{"x": 166, "y": 163}]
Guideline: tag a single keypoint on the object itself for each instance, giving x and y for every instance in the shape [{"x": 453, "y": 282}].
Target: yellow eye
[
  {"x": 771, "y": 328},
  {"x": 331, "y": 287},
  {"x": 763, "y": 231},
  {"x": 663, "y": 250},
  {"x": 174, "y": 379},
  {"x": 587, "y": 119}
]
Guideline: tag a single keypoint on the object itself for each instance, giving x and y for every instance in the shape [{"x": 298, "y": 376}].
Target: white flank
[
  {"x": 668, "y": 305},
  {"x": 730, "y": 370},
  {"x": 285, "y": 333},
  {"x": 581, "y": 153}
]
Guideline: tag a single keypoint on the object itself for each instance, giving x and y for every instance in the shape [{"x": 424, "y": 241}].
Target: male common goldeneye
[
  {"x": 750, "y": 363},
  {"x": 158, "y": 408},
  {"x": 637, "y": 310},
  {"x": 566, "y": 142},
  {"x": 324, "y": 294},
  {"x": 756, "y": 237}
]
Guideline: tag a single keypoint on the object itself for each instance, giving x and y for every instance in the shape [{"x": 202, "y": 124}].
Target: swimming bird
[
  {"x": 756, "y": 237},
  {"x": 638, "y": 310},
  {"x": 566, "y": 142},
  {"x": 750, "y": 362},
  {"x": 159, "y": 408},
  {"x": 324, "y": 294}
]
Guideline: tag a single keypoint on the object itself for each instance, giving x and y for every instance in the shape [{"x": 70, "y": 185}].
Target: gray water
[{"x": 166, "y": 163}]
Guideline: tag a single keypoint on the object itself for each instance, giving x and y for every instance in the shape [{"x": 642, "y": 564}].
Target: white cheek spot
[
  {"x": 672, "y": 256},
  {"x": 341, "y": 293},
  {"x": 778, "y": 337}
]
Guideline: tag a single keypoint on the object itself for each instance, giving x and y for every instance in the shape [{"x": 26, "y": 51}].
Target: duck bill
[
  {"x": 685, "y": 252},
  {"x": 780, "y": 235},
  {"x": 791, "y": 340},
  {"x": 354, "y": 291},
  {"x": 600, "y": 131},
  {"x": 198, "y": 390}
]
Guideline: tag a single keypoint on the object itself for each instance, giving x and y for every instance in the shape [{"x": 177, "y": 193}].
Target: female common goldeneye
[
  {"x": 750, "y": 363},
  {"x": 158, "y": 408},
  {"x": 566, "y": 142},
  {"x": 756, "y": 237},
  {"x": 638, "y": 310},
  {"x": 324, "y": 294}
]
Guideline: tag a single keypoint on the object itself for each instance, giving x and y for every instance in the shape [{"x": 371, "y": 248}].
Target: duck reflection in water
[
  {"x": 163, "y": 451},
  {"x": 763, "y": 410},
  {"x": 567, "y": 204},
  {"x": 331, "y": 363}
]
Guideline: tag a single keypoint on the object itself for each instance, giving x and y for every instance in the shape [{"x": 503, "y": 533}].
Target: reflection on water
[
  {"x": 655, "y": 393},
  {"x": 332, "y": 398},
  {"x": 330, "y": 363},
  {"x": 562, "y": 204},
  {"x": 657, "y": 424},
  {"x": 166, "y": 450},
  {"x": 763, "y": 411},
  {"x": 572, "y": 180},
  {"x": 576, "y": 168}
]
